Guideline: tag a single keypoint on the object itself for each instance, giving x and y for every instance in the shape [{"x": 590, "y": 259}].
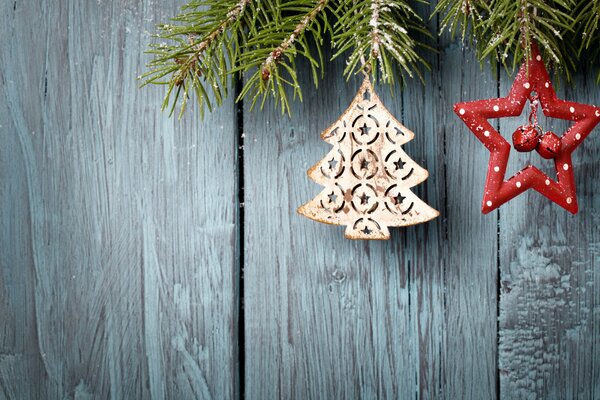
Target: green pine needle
[{"x": 211, "y": 41}]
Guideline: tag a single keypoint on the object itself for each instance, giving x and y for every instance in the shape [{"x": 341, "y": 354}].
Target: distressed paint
[
  {"x": 118, "y": 267},
  {"x": 471, "y": 238},
  {"x": 549, "y": 261},
  {"x": 319, "y": 313},
  {"x": 366, "y": 319},
  {"x": 119, "y": 252}
]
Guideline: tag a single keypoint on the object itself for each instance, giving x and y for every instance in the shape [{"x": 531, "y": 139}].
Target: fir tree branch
[
  {"x": 466, "y": 14},
  {"x": 271, "y": 53},
  {"x": 588, "y": 21},
  {"x": 375, "y": 31},
  {"x": 212, "y": 40},
  {"x": 506, "y": 29},
  {"x": 202, "y": 54}
]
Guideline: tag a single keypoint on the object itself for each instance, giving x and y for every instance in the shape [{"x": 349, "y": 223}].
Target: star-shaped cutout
[
  {"x": 332, "y": 163},
  {"x": 399, "y": 164},
  {"x": 366, "y": 230},
  {"x": 364, "y": 199},
  {"x": 332, "y": 197},
  {"x": 364, "y": 130},
  {"x": 399, "y": 199},
  {"x": 532, "y": 77},
  {"x": 364, "y": 164}
]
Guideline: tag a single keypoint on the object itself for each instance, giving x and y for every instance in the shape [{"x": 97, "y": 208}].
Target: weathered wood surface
[
  {"x": 549, "y": 272},
  {"x": 118, "y": 254},
  {"x": 415, "y": 317},
  {"x": 470, "y": 238}
]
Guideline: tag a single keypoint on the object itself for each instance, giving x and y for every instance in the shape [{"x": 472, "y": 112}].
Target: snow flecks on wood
[
  {"x": 539, "y": 299},
  {"x": 549, "y": 269}
]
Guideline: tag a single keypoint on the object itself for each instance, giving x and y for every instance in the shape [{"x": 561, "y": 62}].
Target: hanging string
[
  {"x": 366, "y": 68},
  {"x": 533, "y": 117}
]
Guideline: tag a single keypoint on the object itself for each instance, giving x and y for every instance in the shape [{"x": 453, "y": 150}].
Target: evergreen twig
[
  {"x": 588, "y": 21},
  {"x": 271, "y": 52},
  {"x": 506, "y": 29},
  {"x": 380, "y": 34},
  {"x": 213, "y": 40}
]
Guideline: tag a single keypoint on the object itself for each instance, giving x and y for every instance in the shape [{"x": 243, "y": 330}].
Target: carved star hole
[
  {"x": 364, "y": 199},
  {"x": 364, "y": 163},
  {"x": 332, "y": 197},
  {"x": 399, "y": 199},
  {"x": 364, "y": 130},
  {"x": 399, "y": 164},
  {"x": 332, "y": 163}
]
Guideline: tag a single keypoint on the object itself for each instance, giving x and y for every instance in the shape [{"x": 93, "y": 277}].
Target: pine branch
[
  {"x": 464, "y": 14},
  {"x": 588, "y": 21},
  {"x": 213, "y": 40},
  {"x": 506, "y": 29},
  {"x": 201, "y": 53},
  {"x": 270, "y": 54},
  {"x": 377, "y": 32}
]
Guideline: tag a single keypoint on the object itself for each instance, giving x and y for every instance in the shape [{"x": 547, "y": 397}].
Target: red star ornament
[{"x": 475, "y": 115}]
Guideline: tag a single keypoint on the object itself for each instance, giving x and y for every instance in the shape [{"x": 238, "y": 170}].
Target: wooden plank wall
[
  {"x": 118, "y": 266},
  {"x": 125, "y": 256}
]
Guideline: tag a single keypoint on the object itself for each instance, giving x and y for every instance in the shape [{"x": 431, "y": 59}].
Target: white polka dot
[
  {"x": 488, "y": 203},
  {"x": 496, "y": 108},
  {"x": 539, "y": 58},
  {"x": 547, "y": 84},
  {"x": 462, "y": 111},
  {"x": 577, "y": 136},
  {"x": 496, "y": 168},
  {"x": 566, "y": 167},
  {"x": 518, "y": 184},
  {"x": 569, "y": 200},
  {"x": 597, "y": 113},
  {"x": 572, "y": 109},
  {"x": 547, "y": 181},
  {"x": 526, "y": 85},
  {"x": 486, "y": 133}
]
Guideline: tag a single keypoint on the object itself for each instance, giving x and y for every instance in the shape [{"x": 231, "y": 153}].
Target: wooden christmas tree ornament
[{"x": 367, "y": 176}]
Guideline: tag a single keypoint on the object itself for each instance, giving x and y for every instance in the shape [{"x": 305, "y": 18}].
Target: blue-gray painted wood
[
  {"x": 119, "y": 259},
  {"x": 330, "y": 318},
  {"x": 118, "y": 266},
  {"x": 319, "y": 307},
  {"x": 550, "y": 302},
  {"x": 471, "y": 238}
]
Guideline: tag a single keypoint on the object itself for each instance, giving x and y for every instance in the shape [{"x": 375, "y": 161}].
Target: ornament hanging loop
[
  {"x": 533, "y": 118},
  {"x": 366, "y": 67}
]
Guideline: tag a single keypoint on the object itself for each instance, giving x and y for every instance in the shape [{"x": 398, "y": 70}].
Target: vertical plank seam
[
  {"x": 241, "y": 317},
  {"x": 498, "y": 79},
  {"x": 417, "y": 384},
  {"x": 438, "y": 80}
]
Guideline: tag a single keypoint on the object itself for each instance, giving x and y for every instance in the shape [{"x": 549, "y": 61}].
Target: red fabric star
[{"x": 475, "y": 115}]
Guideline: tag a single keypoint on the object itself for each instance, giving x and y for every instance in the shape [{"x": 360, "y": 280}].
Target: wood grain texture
[
  {"x": 550, "y": 304},
  {"x": 329, "y": 318},
  {"x": 119, "y": 239},
  {"x": 118, "y": 272},
  {"x": 322, "y": 312},
  {"x": 471, "y": 238}
]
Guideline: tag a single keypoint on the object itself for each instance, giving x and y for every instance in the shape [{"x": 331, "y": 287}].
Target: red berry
[
  {"x": 525, "y": 138},
  {"x": 549, "y": 145}
]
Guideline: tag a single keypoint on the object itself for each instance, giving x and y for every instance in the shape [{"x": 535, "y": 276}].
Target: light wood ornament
[{"x": 367, "y": 175}]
